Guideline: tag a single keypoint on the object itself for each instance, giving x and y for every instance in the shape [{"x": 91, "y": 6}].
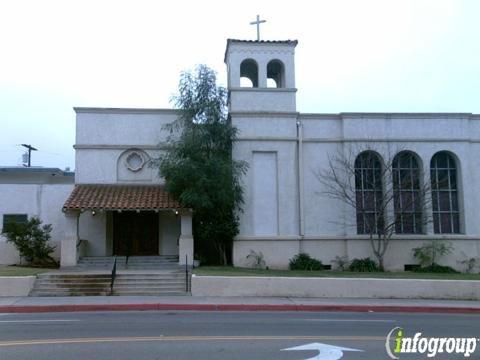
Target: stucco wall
[
  {"x": 267, "y": 121},
  {"x": 98, "y": 232},
  {"x": 42, "y": 200},
  {"x": 335, "y": 287},
  {"x": 94, "y": 230},
  {"x": 16, "y": 285},
  {"x": 278, "y": 252},
  {"x": 169, "y": 233},
  {"x": 329, "y": 225},
  {"x": 104, "y": 135}
]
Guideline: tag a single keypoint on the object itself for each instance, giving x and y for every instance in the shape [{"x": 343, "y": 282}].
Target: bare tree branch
[{"x": 387, "y": 194}]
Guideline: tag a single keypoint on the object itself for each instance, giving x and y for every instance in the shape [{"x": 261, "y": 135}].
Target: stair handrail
[
  {"x": 80, "y": 242},
  {"x": 186, "y": 273},
  {"x": 129, "y": 245},
  {"x": 113, "y": 274}
]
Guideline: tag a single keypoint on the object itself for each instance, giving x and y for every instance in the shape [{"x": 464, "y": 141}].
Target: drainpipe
[{"x": 301, "y": 215}]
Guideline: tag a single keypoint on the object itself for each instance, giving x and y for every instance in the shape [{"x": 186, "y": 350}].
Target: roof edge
[
  {"x": 35, "y": 170},
  {"x": 108, "y": 110},
  {"x": 390, "y": 114},
  {"x": 258, "y": 42}
]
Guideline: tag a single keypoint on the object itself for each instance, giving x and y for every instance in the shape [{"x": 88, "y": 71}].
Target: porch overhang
[{"x": 113, "y": 197}]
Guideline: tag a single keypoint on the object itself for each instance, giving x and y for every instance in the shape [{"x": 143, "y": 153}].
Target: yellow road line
[{"x": 184, "y": 338}]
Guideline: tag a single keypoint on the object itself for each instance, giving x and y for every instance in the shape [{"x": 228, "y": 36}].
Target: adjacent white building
[
  {"x": 285, "y": 211},
  {"x": 29, "y": 192}
]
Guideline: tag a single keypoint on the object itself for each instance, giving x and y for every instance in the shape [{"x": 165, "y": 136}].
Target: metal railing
[
  {"x": 187, "y": 279},
  {"x": 114, "y": 274},
  {"x": 80, "y": 242},
  {"x": 127, "y": 255}
]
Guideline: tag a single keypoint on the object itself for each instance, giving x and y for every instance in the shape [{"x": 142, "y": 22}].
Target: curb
[{"x": 235, "y": 307}]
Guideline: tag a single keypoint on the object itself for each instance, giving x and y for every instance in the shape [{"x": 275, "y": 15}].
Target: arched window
[
  {"x": 248, "y": 73},
  {"x": 446, "y": 213},
  {"x": 275, "y": 74},
  {"x": 369, "y": 193},
  {"x": 407, "y": 197}
]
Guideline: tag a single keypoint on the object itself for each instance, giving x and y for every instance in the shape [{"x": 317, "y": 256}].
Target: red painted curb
[{"x": 236, "y": 307}]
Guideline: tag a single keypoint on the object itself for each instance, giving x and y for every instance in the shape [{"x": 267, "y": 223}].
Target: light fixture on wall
[{"x": 94, "y": 212}]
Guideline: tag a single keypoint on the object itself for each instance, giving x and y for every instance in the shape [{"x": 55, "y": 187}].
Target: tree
[
  {"x": 387, "y": 196},
  {"x": 31, "y": 240},
  {"x": 198, "y": 167}
]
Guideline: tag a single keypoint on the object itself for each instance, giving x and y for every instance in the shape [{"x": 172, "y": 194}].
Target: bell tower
[
  {"x": 262, "y": 107},
  {"x": 261, "y": 75}
]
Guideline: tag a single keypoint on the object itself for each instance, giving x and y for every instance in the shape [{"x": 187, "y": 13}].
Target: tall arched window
[
  {"x": 446, "y": 213},
  {"x": 407, "y": 197},
  {"x": 369, "y": 193},
  {"x": 275, "y": 74},
  {"x": 249, "y": 73}
]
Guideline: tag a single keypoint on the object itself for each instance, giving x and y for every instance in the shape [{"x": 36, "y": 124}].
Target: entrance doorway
[{"x": 135, "y": 233}]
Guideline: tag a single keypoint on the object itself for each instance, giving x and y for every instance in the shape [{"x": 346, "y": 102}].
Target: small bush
[
  {"x": 430, "y": 252},
  {"x": 31, "y": 239},
  {"x": 303, "y": 261},
  {"x": 470, "y": 264},
  {"x": 341, "y": 262},
  {"x": 363, "y": 265},
  {"x": 435, "y": 268},
  {"x": 257, "y": 260}
]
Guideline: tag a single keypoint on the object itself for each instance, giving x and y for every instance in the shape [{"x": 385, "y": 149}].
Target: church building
[{"x": 116, "y": 203}]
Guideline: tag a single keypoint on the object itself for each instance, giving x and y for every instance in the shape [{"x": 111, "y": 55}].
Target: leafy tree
[
  {"x": 31, "y": 240},
  {"x": 198, "y": 167}
]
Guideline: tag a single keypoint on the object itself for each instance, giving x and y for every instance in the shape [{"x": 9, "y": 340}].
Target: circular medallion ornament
[{"x": 134, "y": 161}]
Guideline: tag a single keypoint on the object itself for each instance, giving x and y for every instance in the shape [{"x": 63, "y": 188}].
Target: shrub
[
  {"x": 470, "y": 264},
  {"x": 341, "y": 262},
  {"x": 31, "y": 239},
  {"x": 303, "y": 261},
  {"x": 435, "y": 268},
  {"x": 429, "y": 253},
  {"x": 257, "y": 260},
  {"x": 363, "y": 265}
]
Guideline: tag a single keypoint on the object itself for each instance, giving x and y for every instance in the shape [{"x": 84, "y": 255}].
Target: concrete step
[
  {"x": 149, "y": 281},
  {"x": 157, "y": 289},
  {"x": 74, "y": 274},
  {"x": 73, "y": 291},
  {"x": 69, "y": 293},
  {"x": 118, "y": 287},
  {"x": 60, "y": 284},
  {"x": 165, "y": 282},
  {"x": 150, "y": 293},
  {"x": 73, "y": 279}
]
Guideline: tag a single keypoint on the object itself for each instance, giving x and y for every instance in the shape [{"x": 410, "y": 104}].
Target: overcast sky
[{"x": 404, "y": 55}]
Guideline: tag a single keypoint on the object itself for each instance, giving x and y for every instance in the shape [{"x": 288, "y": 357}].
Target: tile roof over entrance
[{"x": 120, "y": 197}]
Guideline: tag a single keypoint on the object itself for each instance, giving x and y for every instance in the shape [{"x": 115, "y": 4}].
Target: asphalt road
[{"x": 217, "y": 335}]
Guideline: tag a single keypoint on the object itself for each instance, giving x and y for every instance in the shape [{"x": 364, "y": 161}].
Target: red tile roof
[{"x": 120, "y": 197}]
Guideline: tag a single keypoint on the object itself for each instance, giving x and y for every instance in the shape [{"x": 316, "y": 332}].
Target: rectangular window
[{"x": 14, "y": 218}]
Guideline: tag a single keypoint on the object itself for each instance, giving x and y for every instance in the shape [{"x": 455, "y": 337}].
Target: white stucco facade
[
  {"x": 292, "y": 214},
  {"x": 36, "y": 192},
  {"x": 106, "y": 139},
  {"x": 285, "y": 210}
]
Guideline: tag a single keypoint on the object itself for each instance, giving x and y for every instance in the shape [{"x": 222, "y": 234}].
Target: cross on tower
[{"x": 258, "y": 22}]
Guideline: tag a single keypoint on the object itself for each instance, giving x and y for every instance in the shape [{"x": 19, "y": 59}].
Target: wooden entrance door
[{"x": 135, "y": 233}]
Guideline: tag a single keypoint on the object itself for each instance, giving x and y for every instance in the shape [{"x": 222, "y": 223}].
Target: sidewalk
[{"x": 197, "y": 303}]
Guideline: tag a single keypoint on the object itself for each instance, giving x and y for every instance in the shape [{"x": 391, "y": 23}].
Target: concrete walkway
[{"x": 130, "y": 303}]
